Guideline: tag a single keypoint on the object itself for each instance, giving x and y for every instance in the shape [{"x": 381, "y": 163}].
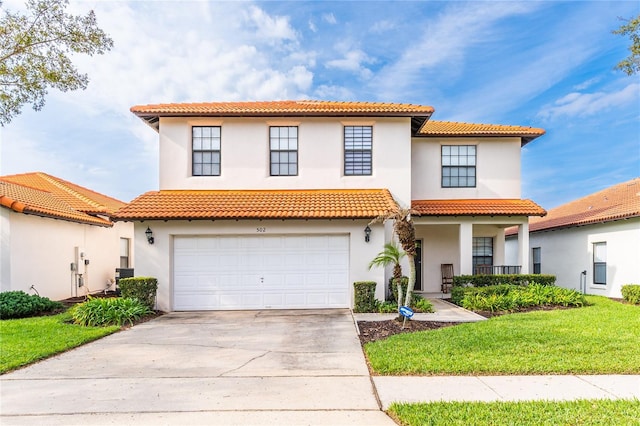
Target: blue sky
[{"x": 535, "y": 63}]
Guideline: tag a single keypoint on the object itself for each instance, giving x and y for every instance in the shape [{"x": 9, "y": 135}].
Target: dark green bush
[
  {"x": 386, "y": 307},
  {"x": 141, "y": 288},
  {"x": 421, "y": 304},
  {"x": 514, "y": 279},
  {"x": 364, "y": 298},
  {"x": 631, "y": 293},
  {"x": 514, "y": 297},
  {"x": 98, "y": 312},
  {"x": 18, "y": 304}
]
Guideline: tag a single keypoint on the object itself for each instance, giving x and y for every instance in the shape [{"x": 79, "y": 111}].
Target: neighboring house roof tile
[
  {"x": 477, "y": 207},
  {"x": 76, "y": 196},
  {"x": 621, "y": 201},
  {"x": 451, "y": 128},
  {"x": 27, "y": 200},
  {"x": 258, "y": 204},
  {"x": 151, "y": 113}
]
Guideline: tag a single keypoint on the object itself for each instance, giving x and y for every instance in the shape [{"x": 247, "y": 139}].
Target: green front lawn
[
  {"x": 603, "y": 338},
  {"x": 26, "y": 340},
  {"x": 581, "y": 412}
]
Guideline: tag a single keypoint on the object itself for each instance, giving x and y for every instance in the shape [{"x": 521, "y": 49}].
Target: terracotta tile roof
[
  {"x": 27, "y": 200},
  {"x": 451, "y": 128},
  {"x": 619, "y": 201},
  {"x": 76, "y": 196},
  {"x": 316, "y": 108},
  {"x": 258, "y": 204},
  {"x": 475, "y": 207}
]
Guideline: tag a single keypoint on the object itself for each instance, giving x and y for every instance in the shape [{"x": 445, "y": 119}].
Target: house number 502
[{"x": 261, "y": 229}]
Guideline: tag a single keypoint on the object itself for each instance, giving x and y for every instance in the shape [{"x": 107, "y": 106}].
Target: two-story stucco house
[
  {"x": 58, "y": 239},
  {"x": 266, "y": 205}
]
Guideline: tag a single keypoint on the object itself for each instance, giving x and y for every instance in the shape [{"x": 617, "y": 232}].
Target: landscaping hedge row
[
  {"x": 142, "y": 288},
  {"x": 18, "y": 304},
  {"x": 514, "y": 279},
  {"x": 631, "y": 293},
  {"x": 365, "y": 296},
  {"x": 509, "y": 297}
]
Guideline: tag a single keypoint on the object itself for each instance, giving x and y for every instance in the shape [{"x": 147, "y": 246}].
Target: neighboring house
[
  {"x": 267, "y": 204},
  {"x": 591, "y": 244},
  {"x": 57, "y": 238}
]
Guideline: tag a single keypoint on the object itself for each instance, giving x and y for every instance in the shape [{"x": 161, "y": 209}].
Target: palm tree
[
  {"x": 390, "y": 255},
  {"x": 406, "y": 232}
]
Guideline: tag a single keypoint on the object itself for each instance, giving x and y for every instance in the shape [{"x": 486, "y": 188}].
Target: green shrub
[
  {"x": 631, "y": 293},
  {"x": 513, "y": 297},
  {"x": 18, "y": 304},
  {"x": 364, "y": 297},
  {"x": 141, "y": 288},
  {"x": 421, "y": 305},
  {"x": 514, "y": 279},
  {"x": 386, "y": 307},
  {"x": 109, "y": 311}
]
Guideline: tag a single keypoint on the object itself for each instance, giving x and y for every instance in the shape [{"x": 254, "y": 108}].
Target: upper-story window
[
  {"x": 458, "y": 166},
  {"x": 206, "y": 150},
  {"x": 358, "y": 141},
  {"x": 283, "y": 146}
]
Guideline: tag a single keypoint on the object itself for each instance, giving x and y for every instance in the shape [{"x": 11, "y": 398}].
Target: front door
[{"x": 418, "y": 264}]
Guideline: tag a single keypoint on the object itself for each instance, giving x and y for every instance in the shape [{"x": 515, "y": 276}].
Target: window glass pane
[
  {"x": 446, "y": 181},
  {"x": 293, "y": 169},
  {"x": 207, "y": 169},
  {"x": 197, "y": 169},
  {"x": 197, "y": 143},
  {"x": 600, "y": 252},
  {"x": 215, "y": 144},
  {"x": 293, "y": 132},
  {"x": 274, "y": 132},
  {"x": 275, "y": 168},
  {"x": 215, "y": 169},
  {"x": 215, "y": 132},
  {"x": 600, "y": 273},
  {"x": 446, "y": 150},
  {"x": 215, "y": 157},
  {"x": 197, "y": 132},
  {"x": 206, "y": 132},
  {"x": 124, "y": 247}
]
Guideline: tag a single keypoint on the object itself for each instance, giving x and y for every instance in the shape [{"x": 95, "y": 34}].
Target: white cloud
[
  {"x": 312, "y": 26},
  {"x": 586, "y": 84},
  {"x": 382, "y": 26},
  {"x": 578, "y": 104},
  {"x": 329, "y": 18},
  {"x": 271, "y": 28},
  {"x": 353, "y": 61}
]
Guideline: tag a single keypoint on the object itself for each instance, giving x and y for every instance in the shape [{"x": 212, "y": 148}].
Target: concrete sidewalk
[
  {"x": 504, "y": 388},
  {"x": 444, "y": 312}
]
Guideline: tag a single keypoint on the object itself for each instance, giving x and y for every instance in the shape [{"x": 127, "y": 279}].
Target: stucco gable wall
[{"x": 42, "y": 249}]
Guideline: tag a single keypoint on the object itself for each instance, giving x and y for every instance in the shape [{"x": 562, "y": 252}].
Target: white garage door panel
[{"x": 261, "y": 272}]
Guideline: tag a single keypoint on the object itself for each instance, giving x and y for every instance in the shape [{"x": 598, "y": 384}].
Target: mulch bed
[{"x": 370, "y": 331}]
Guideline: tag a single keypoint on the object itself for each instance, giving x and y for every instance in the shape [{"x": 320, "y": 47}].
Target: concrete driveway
[{"x": 213, "y": 368}]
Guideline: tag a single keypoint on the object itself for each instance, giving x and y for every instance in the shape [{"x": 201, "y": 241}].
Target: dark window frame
[
  {"x": 281, "y": 153},
  {"x": 358, "y": 150},
  {"x": 599, "y": 266},
  {"x": 198, "y": 154},
  {"x": 537, "y": 266},
  {"x": 483, "y": 257},
  {"x": 458, "y": 166},
  {"x": 125, "y": 258}
]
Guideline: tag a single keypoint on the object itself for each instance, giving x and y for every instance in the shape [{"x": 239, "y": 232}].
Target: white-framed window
[
  {"x": 283, "y": 150},
  {"x": 125, "y": 244},
  {"x": 358, "y": 144},
  {"x": 536, "y": 255},
  {"x": 600, "y": 263},
  {"x": 206, "y": 150},
  {"x": 458, "y": 166}
]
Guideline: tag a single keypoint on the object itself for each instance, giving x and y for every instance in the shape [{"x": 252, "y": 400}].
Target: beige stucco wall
[
  {"x": 38, "y": 251},
  {"x": 497, "y": 169},
  {"x": 245, "y": 155},
  {"x": 156, "y": 260},
  {"x": 567, "y": 252}
]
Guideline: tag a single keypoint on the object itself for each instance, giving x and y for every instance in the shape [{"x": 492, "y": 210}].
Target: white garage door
[{"x": 261, "y": 272}]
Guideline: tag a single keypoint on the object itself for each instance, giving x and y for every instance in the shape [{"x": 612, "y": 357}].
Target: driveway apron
[{"x": 235, "y": 367}]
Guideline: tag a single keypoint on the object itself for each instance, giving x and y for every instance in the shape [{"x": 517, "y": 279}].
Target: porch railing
[{"x": 496, "y": 269}]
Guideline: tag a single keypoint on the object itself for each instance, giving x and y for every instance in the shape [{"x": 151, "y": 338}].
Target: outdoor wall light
[
  {"x": 149, "y": 234},
  {"x": 367, "y": 234}
]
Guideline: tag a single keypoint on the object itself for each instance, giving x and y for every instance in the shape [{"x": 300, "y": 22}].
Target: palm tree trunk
[{"x": 412, "y": 279}]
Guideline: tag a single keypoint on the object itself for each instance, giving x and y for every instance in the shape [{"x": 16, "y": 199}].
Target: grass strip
[
  {"x": 579, "y": 412},
  {"x": 598, "y": 339},
  {"x": 26, "y": 340}
]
